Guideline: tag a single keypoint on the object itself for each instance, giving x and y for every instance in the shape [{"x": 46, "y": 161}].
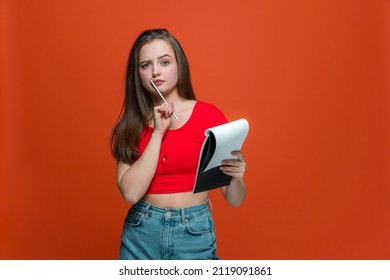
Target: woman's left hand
[{"x": 234, "y": 167}]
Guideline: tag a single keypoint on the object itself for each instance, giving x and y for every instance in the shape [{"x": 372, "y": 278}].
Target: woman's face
[{"x": 157, "y": 62}]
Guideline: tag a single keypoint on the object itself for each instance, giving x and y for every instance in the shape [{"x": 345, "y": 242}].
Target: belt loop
[
  {"x": 210, "y": 206},
  {"x": 183, "y": 216},
  {"x": 146, "y": 213}
]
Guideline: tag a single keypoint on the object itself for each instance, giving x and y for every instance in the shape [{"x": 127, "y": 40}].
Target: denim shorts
[{"x": 154, "y": 233}]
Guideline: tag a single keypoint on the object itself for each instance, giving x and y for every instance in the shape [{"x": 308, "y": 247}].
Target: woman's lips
[{"x": 158, "y": 82}]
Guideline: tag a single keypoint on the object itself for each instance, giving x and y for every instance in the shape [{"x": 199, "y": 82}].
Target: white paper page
[{"x": 229, "y": 138}]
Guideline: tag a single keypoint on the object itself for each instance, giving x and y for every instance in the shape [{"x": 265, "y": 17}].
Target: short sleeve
[{"x": 211, "y": 115}]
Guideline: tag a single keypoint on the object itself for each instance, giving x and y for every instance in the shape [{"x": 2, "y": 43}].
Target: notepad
[{"x": 220, "y": 141}]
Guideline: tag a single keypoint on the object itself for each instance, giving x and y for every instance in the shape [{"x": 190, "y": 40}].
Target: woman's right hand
[{"x": 163, "y": 117}]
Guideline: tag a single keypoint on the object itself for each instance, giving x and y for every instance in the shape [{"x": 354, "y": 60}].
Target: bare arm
[
  {"x": 235, "y": 193},
  {"x": 133, "y": 180}
]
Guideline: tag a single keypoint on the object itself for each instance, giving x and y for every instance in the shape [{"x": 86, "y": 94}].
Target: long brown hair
[{"x": 137, "y": 105}]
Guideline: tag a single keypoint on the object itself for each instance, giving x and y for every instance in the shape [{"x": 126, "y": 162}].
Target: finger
[
  {"x": 170, "y": 108},
  {"x": 164, "y": 111},
  {"x": 230, "y": 168},
  {"x": 231, "y": 162},
  {"x": 234, "y": 173},
  {"x": 234, "y": 162},
  {"x": 238, "y": 154}
]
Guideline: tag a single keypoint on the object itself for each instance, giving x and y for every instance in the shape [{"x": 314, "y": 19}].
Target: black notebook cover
[{"x": 230, "y": 137}]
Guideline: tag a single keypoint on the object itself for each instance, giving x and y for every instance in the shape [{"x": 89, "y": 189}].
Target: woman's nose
[{"x": 156, "y": 71}]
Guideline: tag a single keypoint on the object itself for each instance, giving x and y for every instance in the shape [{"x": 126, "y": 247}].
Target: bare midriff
[{"x": 176, "y": 200}]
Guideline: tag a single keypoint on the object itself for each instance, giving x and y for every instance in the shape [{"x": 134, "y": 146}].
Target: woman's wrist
[
  {"x": 234, "y": 181},
  {"x": 157, "y": 134}
]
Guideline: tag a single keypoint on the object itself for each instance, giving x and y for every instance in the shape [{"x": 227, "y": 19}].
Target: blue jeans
[{"x": 154, "y": 233}]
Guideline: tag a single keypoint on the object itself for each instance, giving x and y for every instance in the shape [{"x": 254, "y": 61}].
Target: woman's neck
[{"x": 172, "y": 97}]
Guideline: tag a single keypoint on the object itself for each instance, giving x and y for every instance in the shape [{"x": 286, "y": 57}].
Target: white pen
[{"x": 162, "y": 97}]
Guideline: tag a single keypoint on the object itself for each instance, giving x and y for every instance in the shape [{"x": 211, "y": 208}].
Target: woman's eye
[
  {"x": 145, "y": 65},
  {"x": 165, "y": 63}
]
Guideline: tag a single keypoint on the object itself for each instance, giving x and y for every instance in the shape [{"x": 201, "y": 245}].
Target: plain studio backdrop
[{"x": 311, "y": 77}]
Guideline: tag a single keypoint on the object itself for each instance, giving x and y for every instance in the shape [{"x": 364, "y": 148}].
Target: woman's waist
[
  {"x": 176, "y": 200},
  {"x": 175, "y": 213}
]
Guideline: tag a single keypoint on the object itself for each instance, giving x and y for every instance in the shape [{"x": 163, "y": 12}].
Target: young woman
[{"x": 157, "y": 156}]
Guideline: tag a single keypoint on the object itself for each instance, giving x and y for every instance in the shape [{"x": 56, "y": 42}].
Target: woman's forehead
[{"x": 156, "y": 49}]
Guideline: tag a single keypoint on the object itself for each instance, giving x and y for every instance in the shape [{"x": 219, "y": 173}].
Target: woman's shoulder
[
  {"x": 204, "y": 106},
  {"x": 209, "y": 114}
]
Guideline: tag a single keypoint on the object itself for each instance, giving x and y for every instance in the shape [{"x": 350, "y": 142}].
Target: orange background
[{"x": 311, "y": 77}]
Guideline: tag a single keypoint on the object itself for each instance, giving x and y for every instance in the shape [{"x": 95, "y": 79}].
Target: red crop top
[{"x": 180, "y": 148}]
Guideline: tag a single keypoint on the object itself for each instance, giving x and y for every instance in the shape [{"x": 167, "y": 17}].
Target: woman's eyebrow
[
  {"x": 158, "y": 58},
  {"x": 164, "y": 55}
]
